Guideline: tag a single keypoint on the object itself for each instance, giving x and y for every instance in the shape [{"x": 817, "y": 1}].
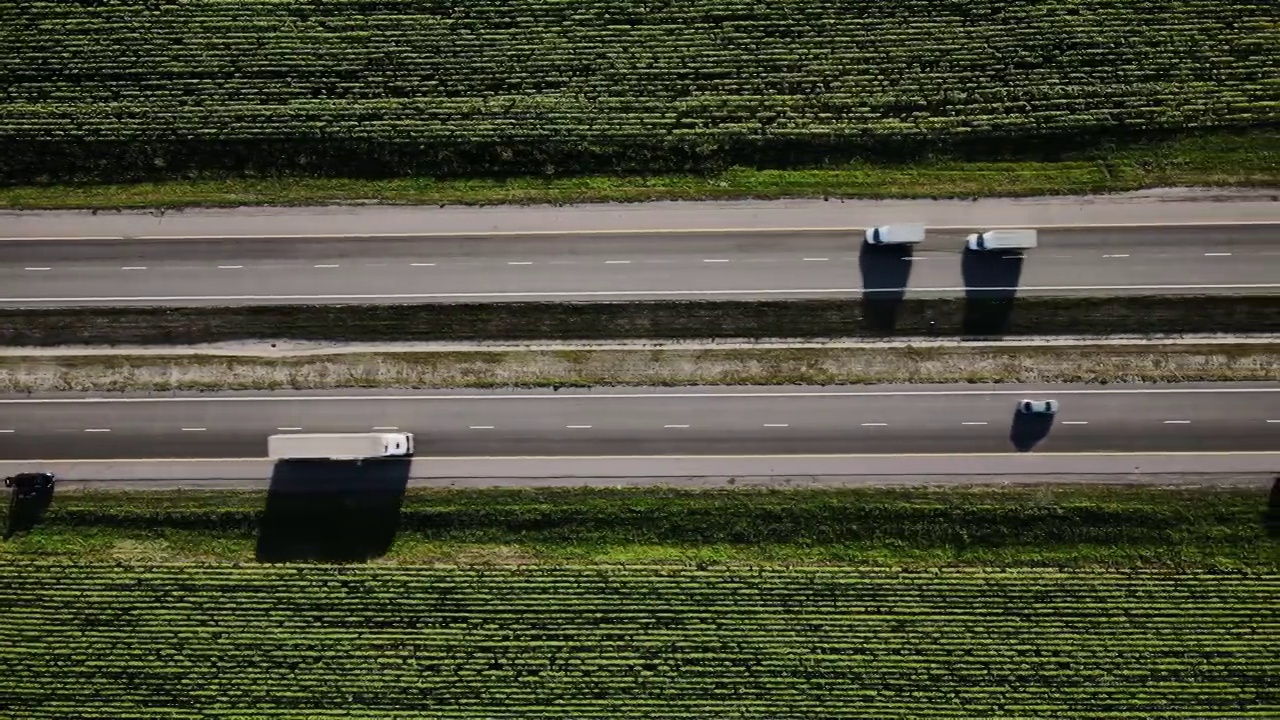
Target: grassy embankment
[
  {"x": 549, "y": 321},
  {"x": 656, "y": 367},
  {"x": 1080, "y": 526},
  {"x": 1250, "y": 160},
  {"x": 591, "y": 603}
]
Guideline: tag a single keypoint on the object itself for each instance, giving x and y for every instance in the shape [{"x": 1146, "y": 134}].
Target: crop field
[
  {"x": 395, "y": 86},
  {"x": 187, "y": 641}
]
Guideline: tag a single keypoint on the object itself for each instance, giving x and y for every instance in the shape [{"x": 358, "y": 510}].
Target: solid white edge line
[
  {"x": 652, "y": 231},
  {"x": 526, "y": 458},
  {"x": 627, "y": 293},
  {"x": 636, "y": 396}
]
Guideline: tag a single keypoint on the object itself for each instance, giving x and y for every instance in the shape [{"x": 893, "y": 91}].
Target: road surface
[
  {"x": 626, "y": 266},
  {"x": 955, "y": 420}
]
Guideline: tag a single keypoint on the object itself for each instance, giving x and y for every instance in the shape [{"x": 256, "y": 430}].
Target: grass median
[
  {"x": 875, "y": 316},
  {"x": 1146, "y": 363},
  {"x": 1079, "y": 526}
]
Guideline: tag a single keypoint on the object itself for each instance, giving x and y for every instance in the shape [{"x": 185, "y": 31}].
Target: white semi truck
[
  {"x": 1003, "y": 240},
  {"x": 340, "y": 446},
  {"x": 894, "y": 235}
]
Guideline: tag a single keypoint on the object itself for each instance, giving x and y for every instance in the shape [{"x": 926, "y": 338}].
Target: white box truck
[
  {"x": 339, "y": 446},
  {"x": 1002, "y": 240},
  {"x": 894, "y": 235}
]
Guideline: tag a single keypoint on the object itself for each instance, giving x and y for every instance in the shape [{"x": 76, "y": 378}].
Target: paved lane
[
  {"x": 677, "y": 422},
  {"x": 621, "y": 266}
]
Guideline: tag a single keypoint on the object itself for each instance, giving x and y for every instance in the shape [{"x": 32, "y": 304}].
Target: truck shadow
[
  {"x": 26, "y": 507},
  {"x": 332, "y": 511},
  {"x": 991, "y": 280},
  {"x": 886, "y": 270},
  {"x": 1028, "y": 429}
]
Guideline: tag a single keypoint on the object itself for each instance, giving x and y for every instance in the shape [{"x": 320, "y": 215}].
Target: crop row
[
  {"x": 540, "y": 85},
  {"x": 293, "y": 641}
]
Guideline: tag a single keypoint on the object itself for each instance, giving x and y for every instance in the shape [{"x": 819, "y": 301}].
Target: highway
[
  {"x": 624, "y": 265},
  {"x": 724, "y": 422}
]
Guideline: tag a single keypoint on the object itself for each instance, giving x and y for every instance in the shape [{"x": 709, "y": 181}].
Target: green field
[
  {"x": 200, "y": 641},
  {"x": 1019, "y": 602},
  {"x": 130, "y": 90}
]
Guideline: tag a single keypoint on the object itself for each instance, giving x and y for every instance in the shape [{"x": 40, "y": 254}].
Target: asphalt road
[
  {"x": 626, "y": 266},
  {"x": 961, "y": 420}
]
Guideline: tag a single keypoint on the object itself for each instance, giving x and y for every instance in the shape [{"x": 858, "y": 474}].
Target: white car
[{"x": 1038, "y": 407}]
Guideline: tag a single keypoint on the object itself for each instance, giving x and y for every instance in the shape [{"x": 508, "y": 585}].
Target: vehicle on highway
[
  {"x": 894, "y": 235},
  {"x": 340, "y": 446},
  {"x": 1003, "y": 240},
  {"x": 1038, "y": 407},
  {"x": 31, "y": 481}
]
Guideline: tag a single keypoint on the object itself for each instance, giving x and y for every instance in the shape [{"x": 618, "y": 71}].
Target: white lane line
[
  {"x": 620, "y": 293},
  {"x": 776, "y": 425},
  {"x": 675, "y": 426},
  {"x": 36, "y": 269},
  {"x": 134, "y": 267},
  {"x": 816, "y": 259},
  {"x": 326, "y": 266},
  {"x": 97, "y": 429},
  {"x": 1075, "y": 422},
  {"x": 194, "y": 429},
  {"x": 230, "y": 267},
  {"x": 522, "y": 262},
  {"x": 6, "y": 431},
  {"x": 422, "y": 264},
  {"x": 1217, "y": 254},
  {"x": 875, "y": 424},
  {"x": 288, "y": 428},
  {"x": 1177, "y": 422},
  {"x": 480, "y": 427},
  {"x": 1273, "y": 421},
  {"x": 973, "y": 423},
  {"x": 714, "y": 260},
  {"x": 1115, "y": 256},
  {"x": 578, "y": 427},
  {"x": 641, "y": 396},
  {"x": 386, "y": 427},
  {"x": 617, "y": 262}
]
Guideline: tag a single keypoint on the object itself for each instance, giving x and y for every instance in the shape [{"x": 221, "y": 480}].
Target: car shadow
[
  {"x": 26, "y": 508},
  {"x": 886, "y": 270},
  {"x": 332, "y": 511},
  {"x": 991, "y": 280},
  {"x": 1028, "y": 429}
]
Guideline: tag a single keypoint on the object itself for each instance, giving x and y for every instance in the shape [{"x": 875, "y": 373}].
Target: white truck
[
  {"x": 1002, "y": 240},
  {"x": 894, "y": 235},
  {"x": 340, "y": 446}
]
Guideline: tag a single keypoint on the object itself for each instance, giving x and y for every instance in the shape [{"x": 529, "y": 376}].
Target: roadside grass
[
  {"x": 1031, "y": 526},
  {"x": 643, "y": 367},
  {"x": 656, "y": 319},
  {"x": 1214, "y": 160}
]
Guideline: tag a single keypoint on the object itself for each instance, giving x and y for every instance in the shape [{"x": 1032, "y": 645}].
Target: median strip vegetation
[
  {"x": 874, "y": 316},
  {"x": 1147, "y": 363}
]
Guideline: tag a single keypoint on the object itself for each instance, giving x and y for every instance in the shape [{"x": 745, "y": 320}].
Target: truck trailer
[
  {"x": 340, "y": 446},
  {"x": 1003, "y": 240}
]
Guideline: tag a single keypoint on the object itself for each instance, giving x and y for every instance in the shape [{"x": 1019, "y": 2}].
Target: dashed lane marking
[
  {"x": 520, "y": 262},
  {"x": 1177, "y": 422},
  {"x": 286, "y": 429},
  {"x": 1075, "y": 422},
  {"x": 37, "y": 269},
  {"x": 776, "y": 425},
  {"x": 875, "y": 424},
  {"x": 480, "y": 427},
  {"x": 675, "y": 426},
  {"x": 326, "y": 266},
  {"x": 230, "y": 267},
  {"x": 973, "y": 423},
  {"x": 194, "y": 429},
  {"x": 422, "y": 264},
  {"x": 97, "y": 429},
  {"x": 578, "y": 427},
  {"x": 134, "y": 267},
  {"x": 386, "y": 427},
  {"x": 1217, "y": 254},
  {"x": 815, "y": 259},
  {"x": 715, "y": 260},
  {"x": 1115, "y": 256},
  {"x": 617, "y": 262}
]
